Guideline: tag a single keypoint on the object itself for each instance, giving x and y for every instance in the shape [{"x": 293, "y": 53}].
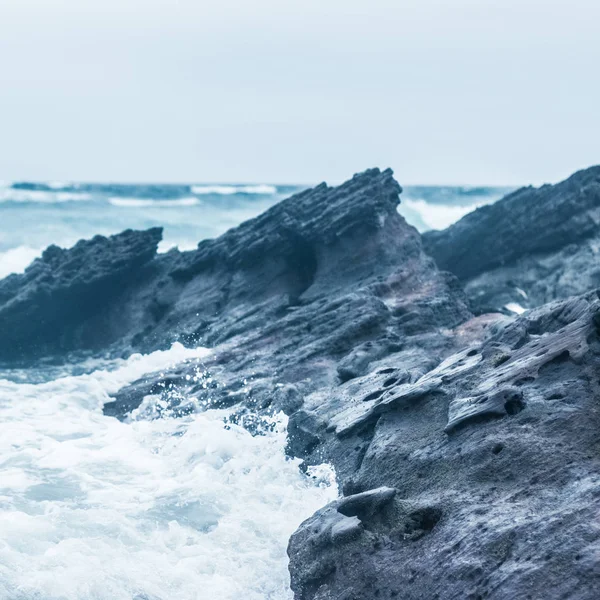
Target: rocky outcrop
[
  {"x": 465, "y": 447},
  {"x": 310, "y": 294},
  {"x": 325, "y": 270},
  {"x": 478, "y": 479},
  {"x": 532, "y": 247},
  {"x": 67, "y": 299}
]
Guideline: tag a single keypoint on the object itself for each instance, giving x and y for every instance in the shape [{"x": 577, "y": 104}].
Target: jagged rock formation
[
  {"x": 466, "y": 448},
  {"x": 334, "y": 266},
  {"x": 63, "y": 300},
  {"x": 477, "y": 480},
  {"x": 532, "y": 247},
  {"x": 322, "y": 286}
]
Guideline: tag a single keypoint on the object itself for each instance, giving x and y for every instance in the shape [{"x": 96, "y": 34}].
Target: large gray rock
[
  {"x": 307, "y": 295},
  {"x": 532, "y": 247},
  {"x": 117, "y": 294},
  {"x": 479, "y": 479}
]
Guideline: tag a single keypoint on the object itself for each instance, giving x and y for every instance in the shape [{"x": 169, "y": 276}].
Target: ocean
[
  {"x": 35, "y": 215},
  {"x": 157, "y": 508}
]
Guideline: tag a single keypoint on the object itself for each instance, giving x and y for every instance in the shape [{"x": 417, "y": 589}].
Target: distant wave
[
  {"x": 41, "y": 197},
  {"x": 437, "y": 216},
  {"x": 149, "y": 202},
  {"x": 228, "y": 190},
  {"x": 16, "y": 260}
]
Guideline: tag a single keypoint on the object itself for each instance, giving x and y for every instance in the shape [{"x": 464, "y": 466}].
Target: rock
[
  {"x": 532, "y": 247},
  {"x": 351, "y": 315},
  {"x": 71, "y": 299},
  {"x": 493, "y": 466},
  {"x": 281, "y": 282}
]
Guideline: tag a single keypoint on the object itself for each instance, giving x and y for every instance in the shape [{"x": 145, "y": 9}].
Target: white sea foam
[
  {"x": 438, "y": 216},
  {"x": 149, "y": 202},
  {"x": 95, "y": 509},
  {"x": 41, "y": 196},
  {"x": 58, "y": 185},
  {"x": 17, "y": 259},
  {"x": 514, "y": 307},
  {"x": 228, "y": 190}
]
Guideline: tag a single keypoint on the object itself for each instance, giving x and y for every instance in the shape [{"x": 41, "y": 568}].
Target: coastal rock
[
  {"x": 533, "y": 246},
  {"x": 493, "y": 459},
  {"x": 315, "y": 275},
  {"x": 66, "y": 299}
]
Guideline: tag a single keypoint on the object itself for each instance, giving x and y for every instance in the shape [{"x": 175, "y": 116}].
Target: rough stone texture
[
  {"x": 335, "y": 266},
  {"x": 63, "y": 300},
  {"x": 372, "y": 292},
  {"x": 532, "y": 247},
  {"x": 493, "y": 459}
]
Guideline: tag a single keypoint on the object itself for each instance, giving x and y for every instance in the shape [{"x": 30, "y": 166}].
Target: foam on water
[
  {"x": 437, "y": 216},
  {"x": 95, "y": 509},
  {"x": 41, "y": 196},
  {"x": 228, "y": 190},
  {"x": 145, "y": 202}
]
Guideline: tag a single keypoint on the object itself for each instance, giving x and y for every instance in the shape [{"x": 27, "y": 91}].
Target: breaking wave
[
  {"x": 95, "y": 509},
  {"x": 228, "y": 190},
  {"x": 149, "y": 202}
]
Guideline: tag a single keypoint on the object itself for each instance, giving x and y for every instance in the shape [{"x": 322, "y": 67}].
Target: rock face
[
  {"x": 466, "y": 448},
  {"x": 323, "y": 273},
  {"x": 477, "y": 480},
  {"x": 532, "y": 247},
  {"x": 63, "y": 301},
  {"x": 309, "y": 294}
]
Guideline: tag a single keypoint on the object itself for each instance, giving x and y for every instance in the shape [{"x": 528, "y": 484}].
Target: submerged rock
[{"x": 534, "y": 246}]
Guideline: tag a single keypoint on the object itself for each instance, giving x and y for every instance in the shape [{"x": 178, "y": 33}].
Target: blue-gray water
[{"x": 34, "y": 215}]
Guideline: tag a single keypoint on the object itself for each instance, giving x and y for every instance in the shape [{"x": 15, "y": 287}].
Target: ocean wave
[
  {"x": 437, "y": 216},
  {"x": 150, "y": 509},
  {"x": 228, "y": 190},
  {"x": 41, "y": 196},
  {"x": 149, "y": 202},
  {"x": 16, "y": 260}
]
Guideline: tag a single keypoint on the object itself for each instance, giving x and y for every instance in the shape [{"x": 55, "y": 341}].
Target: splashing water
[{"x": 95, "y": 509}]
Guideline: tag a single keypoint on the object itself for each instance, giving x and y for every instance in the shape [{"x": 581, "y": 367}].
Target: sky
[{"x": 287, "y": 91}]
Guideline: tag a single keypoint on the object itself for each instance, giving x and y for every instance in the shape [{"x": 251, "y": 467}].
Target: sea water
[
  {"x": 162, "y": 509},
  {"x": 35, "y": 215}
]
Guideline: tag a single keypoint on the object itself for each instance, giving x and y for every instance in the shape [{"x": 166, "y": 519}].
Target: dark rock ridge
[
  {"x": 534, "y": 246},
  {"x": 466, "y": 448},
  {"x": 289, "y": 263},
  {"x": 372, "y": 292}
]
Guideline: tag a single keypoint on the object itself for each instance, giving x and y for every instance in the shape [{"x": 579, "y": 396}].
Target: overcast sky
[{"x": 443, "y": 91}]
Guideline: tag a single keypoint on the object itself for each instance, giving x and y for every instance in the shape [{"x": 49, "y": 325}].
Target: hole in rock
[
  {"x": 514, "y": 405},
  {"x": 373, "y": 396},
  {"x": 497, "y": 448},
  {"x": 472, "y": 352},
  {"x": 390, "y": 381},
  {"x": 424, "y": 519},
  {"x": 385, "y": 371}
]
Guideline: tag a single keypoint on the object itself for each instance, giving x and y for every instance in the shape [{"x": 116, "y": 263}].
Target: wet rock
[{"x": 534, "y": 246}]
